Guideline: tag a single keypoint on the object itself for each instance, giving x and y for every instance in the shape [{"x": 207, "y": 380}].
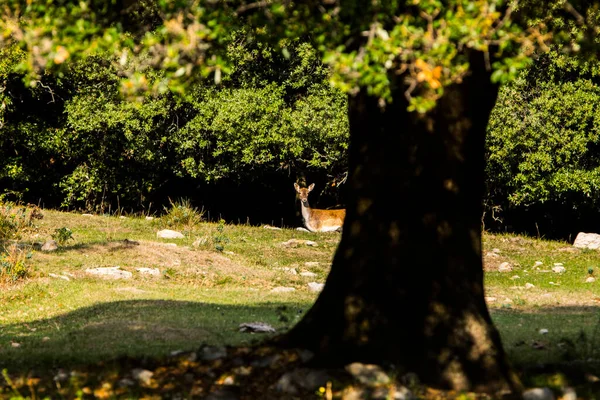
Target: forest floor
[{"x": 172, "y": 330}]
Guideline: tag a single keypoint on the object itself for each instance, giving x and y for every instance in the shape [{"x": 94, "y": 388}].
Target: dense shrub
[{"x": 543, "y": 144}]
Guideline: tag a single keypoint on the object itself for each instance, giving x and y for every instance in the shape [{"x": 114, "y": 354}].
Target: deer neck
[{"x": 306, "y": 214}]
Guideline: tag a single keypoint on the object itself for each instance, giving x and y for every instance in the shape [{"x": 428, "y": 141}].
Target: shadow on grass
[{"x": 133, "y": 328}]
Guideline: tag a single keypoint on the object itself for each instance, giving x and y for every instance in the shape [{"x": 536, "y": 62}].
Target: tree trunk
[{"x": 406, "y": 284}]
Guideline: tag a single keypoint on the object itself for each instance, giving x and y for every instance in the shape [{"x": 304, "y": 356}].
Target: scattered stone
[
  {"x": 543, "y": 331},
  {"x": 515, "y": 277},
  {"x": 290, "y": 271},
  {"x": 587, "y": 241},
  {"x": 122, "y": 217},
  {"x": 310, "y": 264},
  {"x": 15, "y": 344},
  {"x": 590, "y": 279},
  {"x": 505, "y": 267},
  {"x": 569, "y": 394},
  {"x": 538, "y": 394},
  {"x": 537, "y": 264},
  {"x": 256, "y": 327},
  {"x": 368, "y": 374},
  {"x": 148, "y": 271},
  {"x": 490, "y": 299},
  {"x": 149, "y": 218},
  {"x": 308, "y": 274},
  {"x": 315, "y": 286},
  {"x": 50, "y": 245},
  {"x": 496, "y": 250},
  {"x": 491, "y": 255},
  {"x": 169, "y": 234},
  {"x": 87, "y": 215},
  {"x": 265, "y": 361},
  {"x": 301, "y": 229},
  {"x": 558, "y": 264},
  {"x": 210, "y": 353},
  {"x": 229, "y": 253},
  {"x": 387, "y": 393},
  {"x": 61, "y": 376},
  {"x": 298, "y": 242},
  {"x": 554, "y": 284},
  {"x": 45, "y": 339},
  {"x": 559, "y": 269},
  {"x": 126, "y": 382},
  {"x": 166, "y": 244},
  {"x": 271, "y": 227},
  {"x": 302, "y": 378},
  {"x": 282, "y": 289},
  {"x": 109, "y": 272},
  {"x": 142, "y": 375},
  {"x": 66, "y": 278},
  {"x": 529, "y": 286}
]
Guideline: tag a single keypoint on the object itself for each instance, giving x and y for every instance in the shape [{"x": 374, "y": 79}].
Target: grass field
[{"x": 219, "y": 276}]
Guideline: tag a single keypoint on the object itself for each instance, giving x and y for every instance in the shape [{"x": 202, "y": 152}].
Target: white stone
[
  {"x": 543, "y": 331},
  {"x": 559, "y": 269},
  {"x": 537, "y": 264},
  {"x": 169, "y": 234},
  {"x": 142, "y": 375},
  {"x": 50, "y": 245},
  {"x": 311, "y": 264},
  {"x": 149, "y": 218},
  {"x": 271, "y": 227},
  {"x": 148, "y": 271},
  {"x": 311, "y": 243},
  {"x": 490, "y": 299},
  {"x": 529, "y": 286},
  {"x": 87, "y": 215},
  {"x": 308, "y": 274},
  {"x": 109, "y": 272},
  {"x": 538, "y": 394},
  {"x": 290, "y": 271},
  {"x": 301, "y": 229},
  {"x": 515, "y": 277},
  {"x": 259, "y": 327},
  {"x": 590, "y": 279},
  {"x": 587, "y": 241},
  {"x": 315, "y": 286},
  {"x": 496, "y": 251},
  {"x": 66, "y": 278},
  {"x": 505, "y": 267},
  {"x": 282, "y": 289}
]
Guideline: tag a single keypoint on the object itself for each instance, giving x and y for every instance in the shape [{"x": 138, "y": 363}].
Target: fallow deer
[{"x": 317, "y": 220}]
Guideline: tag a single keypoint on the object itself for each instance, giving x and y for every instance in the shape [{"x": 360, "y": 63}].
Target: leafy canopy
[{"x": 422, "y": 45}]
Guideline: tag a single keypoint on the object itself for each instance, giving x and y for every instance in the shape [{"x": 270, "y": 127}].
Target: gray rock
[
  {"x": 109, "y": 272},
  {"x": 290, "y": 271},
  {"x": 298, "y": 242},
  {"x": 302, "y": 379},
  {"x": 538, "y": 394},
  {"x": 258, "y": 327},
  {"x": 315, "y": 286},
  {"x": 368, "y": 374},
  {"x": 50, "y": 245},
  {"x": 587, "y": 241},
  {"x": 308, "y": 274},
  {"x": 210, "y": 353},
  {"x": 169, "y": 234},
  {"x": 282, "y": 289},
  {"x": 142, "y": 375},
  {"x": 148, "y": 271},
  {"x": 505, "y": 267}
]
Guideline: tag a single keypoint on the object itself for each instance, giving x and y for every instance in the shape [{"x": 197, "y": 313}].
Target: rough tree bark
[{"x": 406, "y": 284}]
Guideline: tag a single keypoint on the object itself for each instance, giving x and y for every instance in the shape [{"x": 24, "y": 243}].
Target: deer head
[{"x": 303, "y": 193}]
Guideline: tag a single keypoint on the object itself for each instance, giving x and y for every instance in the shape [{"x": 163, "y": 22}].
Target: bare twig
[{"x": 250, "y": 6}]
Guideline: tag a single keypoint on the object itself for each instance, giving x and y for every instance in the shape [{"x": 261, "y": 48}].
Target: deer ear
[
  {"x": 296, "y": 187},
  {"x": 311, "y": 187}
]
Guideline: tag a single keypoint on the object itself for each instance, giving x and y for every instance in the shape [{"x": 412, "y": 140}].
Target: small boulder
[
  {"x": 587, "y": 241},
  {"x": 169, "y": 234},
  {"x": 256, "y": 327},
  {"x": 109, "y": 272},
  {"x": 590, "y": 279},
  {"x": 505, "y": 267},
  {"x": 368, "y": 374},
  {"x": 538, "y": 394},
  {"x": 315, "y": 286},
  {"x": 143, "y": 376},
  {"x": 559, "y": 269},
  {"x": 50, "y": 245}
]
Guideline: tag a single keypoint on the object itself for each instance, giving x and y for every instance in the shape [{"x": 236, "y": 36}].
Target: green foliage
[
  {"x": 544, "y": 137},
  {"x": 182, "y": 214},
  {"x": 14, "y": 264},
  {"x": 220, "y": 239},
  {"x": 62, "y": 235},
  {"x": 15, "y": 219}
]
